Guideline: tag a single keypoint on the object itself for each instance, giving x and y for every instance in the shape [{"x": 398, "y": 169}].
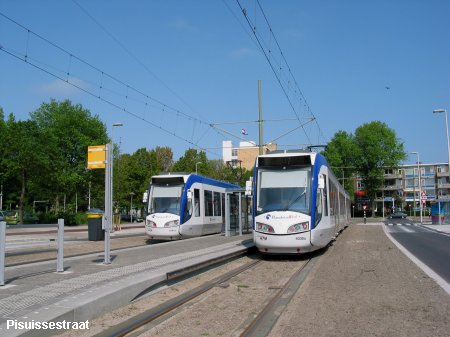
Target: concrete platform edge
[{"x": 112, "y": 295}]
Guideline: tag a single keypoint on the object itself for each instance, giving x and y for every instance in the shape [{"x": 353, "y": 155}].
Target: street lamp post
[
  {"x": 420, "y": 185},
  {"x": 196, "y": 167},
  {"x": 448, "y": 150},
  {"x": 112, "y": 171},
  {"x": 131, "y": 207}
]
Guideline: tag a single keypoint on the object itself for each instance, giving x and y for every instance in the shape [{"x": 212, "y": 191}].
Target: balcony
[
  {"x": 393, "y": 176},
  {"x": 442, "y": 174},
  {"x": 392, "y": 188},
  {"x": 443, "y": 185}
]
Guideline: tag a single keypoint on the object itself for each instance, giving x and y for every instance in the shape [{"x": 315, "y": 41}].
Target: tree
[
  {"x": 3, "y": 139},
  {"x": 133, "y": 172},
  {"x": 377, "y": 147},
  {"x": 191, "y": 160},
  {"x": 69, "y": 130},
  {"x": 164, "y": 159},
  {"x": 373, "y": 147},
  {"x": 23, "y": 159},
  {"x": 340, "y": 153}
]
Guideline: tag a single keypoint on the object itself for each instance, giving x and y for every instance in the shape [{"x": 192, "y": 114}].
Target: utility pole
[{"x": 261, "y": 151}]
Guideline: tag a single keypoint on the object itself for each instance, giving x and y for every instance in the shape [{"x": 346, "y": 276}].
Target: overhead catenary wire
[
  {"x": 106, "y": 101},
  {"x": 99, "y": 89},
  {"x": 133, "y": 56},
  {"x": 269, "y": 56},
  {"x": 98, "y": 70},
  {"x": 66, "y": 76}
]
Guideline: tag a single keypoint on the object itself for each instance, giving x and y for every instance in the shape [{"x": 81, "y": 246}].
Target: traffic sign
[{"x": 424, "y": 197}]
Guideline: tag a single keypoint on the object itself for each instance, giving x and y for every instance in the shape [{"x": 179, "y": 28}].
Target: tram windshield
[
  {"x": 165, "y": 199},
  {"x": 284, "y": 190}
]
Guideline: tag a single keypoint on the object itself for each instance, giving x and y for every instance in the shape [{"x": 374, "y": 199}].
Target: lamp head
[{"x": 438, "y": 111}]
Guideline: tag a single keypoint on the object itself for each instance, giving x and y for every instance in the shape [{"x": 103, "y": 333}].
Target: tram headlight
[
  {"x": 151, "y": 223},
  {"x": 298, "y": 227},
  {"x": 262, "y": 227},
  {"x": 172, "y": 223}
]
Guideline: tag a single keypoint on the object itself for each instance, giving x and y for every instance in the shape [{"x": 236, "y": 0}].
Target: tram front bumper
[
  {"x": 283, "y": 244},
  {"x": 163, "y": 233}
]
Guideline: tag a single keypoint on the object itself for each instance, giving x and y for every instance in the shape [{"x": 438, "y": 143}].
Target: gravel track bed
[{"x": 222, "y": 311}]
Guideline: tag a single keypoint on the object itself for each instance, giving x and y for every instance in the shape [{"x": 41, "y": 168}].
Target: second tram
[{"x": 185, "y": 205}]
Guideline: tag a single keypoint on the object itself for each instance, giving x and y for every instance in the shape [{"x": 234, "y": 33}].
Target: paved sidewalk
[
  {"x": 365, "y": 286},
  {"x": 88, "y": 287}
]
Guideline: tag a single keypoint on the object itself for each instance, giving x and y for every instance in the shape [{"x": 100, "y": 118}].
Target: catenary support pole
[
  {"x": 2, "y": 252},
  {"x": 108, "y": 203},
  {"x": 261, "y": 151}
]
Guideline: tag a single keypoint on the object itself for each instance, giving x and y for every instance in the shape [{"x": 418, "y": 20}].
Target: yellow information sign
[{"x": 96, "y": 157}]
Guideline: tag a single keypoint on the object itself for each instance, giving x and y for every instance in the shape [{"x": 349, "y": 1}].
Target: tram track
[
  {"x": 131, "y": 327},
  {"x": 266, "y": 319},
  {"x": 256, "y": 320}
]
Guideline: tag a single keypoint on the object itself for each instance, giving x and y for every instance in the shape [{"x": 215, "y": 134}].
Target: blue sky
[{"x": 169, "y": 69}]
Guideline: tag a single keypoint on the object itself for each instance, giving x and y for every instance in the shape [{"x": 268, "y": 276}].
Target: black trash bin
[{"x": 95, "y": 230}]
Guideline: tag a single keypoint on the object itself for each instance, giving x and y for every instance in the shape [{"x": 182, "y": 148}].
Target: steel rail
[
  {"x": 150, "y": 315},
  {"x": 263, "y": 323}
]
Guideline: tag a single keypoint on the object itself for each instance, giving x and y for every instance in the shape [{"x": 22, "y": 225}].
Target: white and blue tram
[
  {"x": 182, "y": 205},
  {"x": 298, "y": 204}
]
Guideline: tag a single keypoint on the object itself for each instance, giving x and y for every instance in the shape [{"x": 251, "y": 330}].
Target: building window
[{"x": 234, "y": 152}]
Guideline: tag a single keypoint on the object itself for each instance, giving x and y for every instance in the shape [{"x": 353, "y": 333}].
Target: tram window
[
  {"x": 217, "y": 204},
  {"x": 196, "y": 202},
  {"x": 208, "y": 203},
  {"x": 325, "y": 197},
  {"x": 319, "y": 207},
  {"x": 222, "y": 197}
]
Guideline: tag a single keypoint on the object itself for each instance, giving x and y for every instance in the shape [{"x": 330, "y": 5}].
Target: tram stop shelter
[
  {"x": 440, "y": 212},
  {"x": 237, "y": 212}
]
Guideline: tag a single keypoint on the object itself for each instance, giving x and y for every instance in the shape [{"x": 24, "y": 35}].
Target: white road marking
[{"x": 427, "y": 270}]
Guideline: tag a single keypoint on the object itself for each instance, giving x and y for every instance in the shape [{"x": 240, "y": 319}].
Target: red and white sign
[{"x": 424, "y": 197}]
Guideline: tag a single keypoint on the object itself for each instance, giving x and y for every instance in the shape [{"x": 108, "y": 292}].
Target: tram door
[
  {"x": 234, "y": 213},
  {"x": 237, "y": 213},
  {"x": 222, "y": 200},
  {"x": 246, "y": 213}
]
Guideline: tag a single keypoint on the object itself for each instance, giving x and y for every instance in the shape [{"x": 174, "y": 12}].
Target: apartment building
[
  {"x": 244, "y": 155},
  {"x": 408, "y": 185}
]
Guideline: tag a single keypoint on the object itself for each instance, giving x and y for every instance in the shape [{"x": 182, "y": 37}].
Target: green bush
[
  {"x": 81, "y": 218},
  {"x": 70, "y": 218}
]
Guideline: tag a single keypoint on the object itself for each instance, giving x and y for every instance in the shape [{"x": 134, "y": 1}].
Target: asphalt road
[{"x": 430, "y": 247}]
